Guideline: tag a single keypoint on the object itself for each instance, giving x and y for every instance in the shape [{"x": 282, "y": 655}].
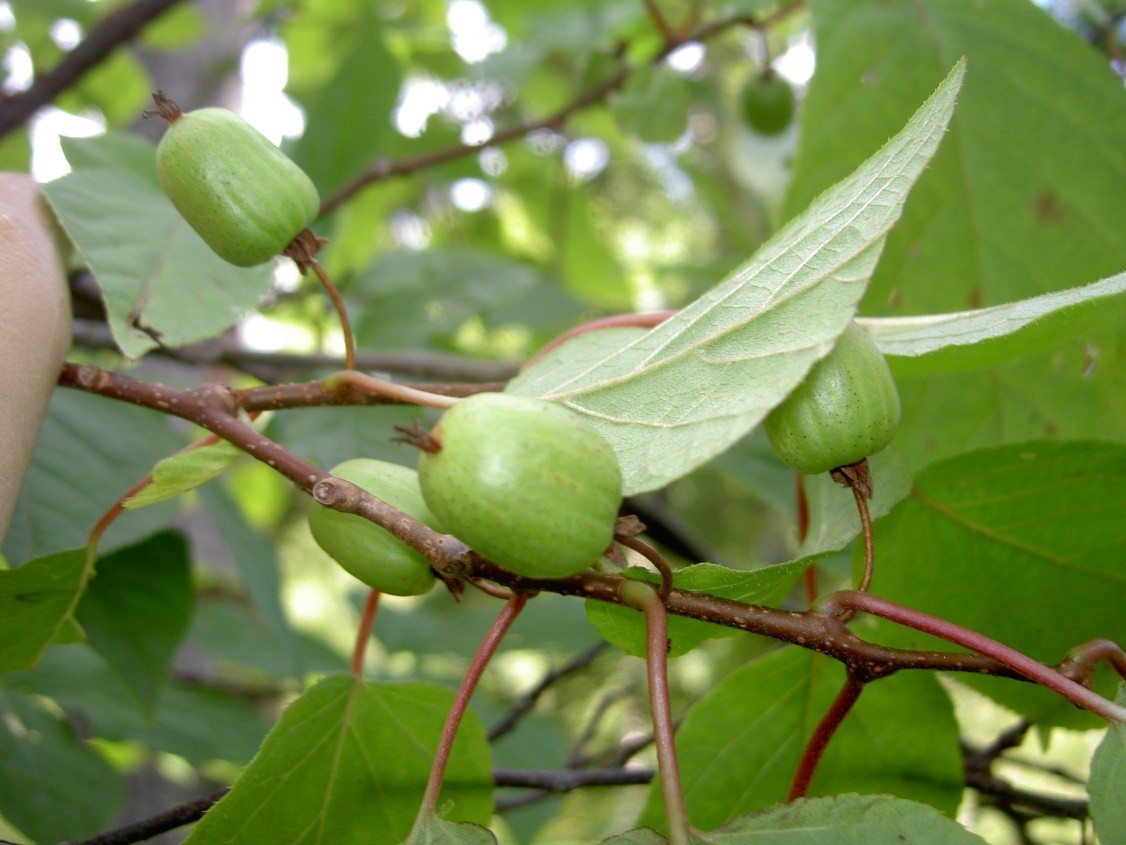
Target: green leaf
[
  {"x": 1107, "y": 783},
  {"x": 1022, "y": 196},
  {"x": 350, "y": 115},
  {"x": 157, "y": 276},
  {"x": 178, "y": 28},
  {"x": 53, "y": 787},
  {"x": 36, "y": 601},
  {"x": 184, "y": 471},
  {"x": 625, "y": 628},
  {"x": 90, "y": 451},
  {"x": 137, "y": 609},
  {"x": 1023, "y": 543},
  {"x": 347, "y": 764},
  {"x": 653, "y": 105},
  {"x": 198, "y": 723},
  {"x": 988, "y": 336},
  {"x": 845, "y": 820},
  {"x": 256, "y": 559},
  {"x": 636, "y": 837},
  {"x": 441, "y": 832},
  {"x": 688, "y": 389},
  {"x": 740, "y": 744}
]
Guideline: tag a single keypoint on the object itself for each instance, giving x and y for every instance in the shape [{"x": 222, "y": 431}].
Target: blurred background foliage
[{"x": 531, "y": 164}]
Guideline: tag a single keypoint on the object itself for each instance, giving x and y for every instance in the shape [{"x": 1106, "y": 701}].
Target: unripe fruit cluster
[
  {"x": 236, "y": 189},
  {"x": 526, "y": 483},
  {"x": 846, "y": 409}
]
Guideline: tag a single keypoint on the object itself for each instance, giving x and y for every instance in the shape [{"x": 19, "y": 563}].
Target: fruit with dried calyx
[
  {"x": 370, "y": 552},
  {"x": 239, "y": 192},
  {"x": 846, "y": 409},
  {"x": 524, "y": 482}
]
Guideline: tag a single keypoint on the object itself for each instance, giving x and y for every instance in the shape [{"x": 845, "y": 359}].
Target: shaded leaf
[
  {"x": 184, "y": 471},
  {"x": 740, "y": 744},
  {"x": 441, "y": 832},
  {"x": 53, "y": 787},
  {"x": 89, "y": 452},
  {"x": 1107, "y": 784},
  {"x": 256, "y": 558},
  {"x": 688, "y": 389},
  {"x": 137, "y": 609},
  {"x": 625, "y": 628},
  {"x": 347, "y": 764},
  {"x": 846, "y": 820},
  {"x": 1022, "y": 196},
  {"x": 1023, "y": 543},
  {"x": 36, "y": 602}
]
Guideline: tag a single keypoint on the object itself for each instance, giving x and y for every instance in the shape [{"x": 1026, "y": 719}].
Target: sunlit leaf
[
  {"x": 688, "y": 389},
  {"x": 988, "y": 336},
  {"x": 183, "y": 472}
]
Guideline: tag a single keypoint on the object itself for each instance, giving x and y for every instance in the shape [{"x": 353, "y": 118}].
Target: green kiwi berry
[
  {"x": 368, "y": 551},
  {"x": 768, "y": 104},
  {"x": 235, "y": 188},
  {"x": 846, "y": 409},
  {"x": 524, "y": 482}
]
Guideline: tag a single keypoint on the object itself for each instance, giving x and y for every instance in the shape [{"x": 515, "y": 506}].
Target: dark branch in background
[
  {"x": 528, "y": 700},
  {"x": 115, "y": 29},
  {"x": 284, "y": 366},
  {"x": 384, "y": 168}
]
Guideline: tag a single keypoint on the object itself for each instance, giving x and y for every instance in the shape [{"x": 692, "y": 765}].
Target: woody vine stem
[{"x": 217, "y": 408}]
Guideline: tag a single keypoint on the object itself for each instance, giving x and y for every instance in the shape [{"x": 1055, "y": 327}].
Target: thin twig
[
  {"x": 116, "y": 28},
  {"x": 528, "y": 700}
]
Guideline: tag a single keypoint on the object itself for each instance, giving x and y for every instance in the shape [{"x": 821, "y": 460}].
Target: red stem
[
  {"x": 645, "y": 598},
  {"x": 1025, "y": 666},
  {"x": 363, "y": 634},
  {"x": 832, "y": 720},
  {"x": 477, "y": 666}
]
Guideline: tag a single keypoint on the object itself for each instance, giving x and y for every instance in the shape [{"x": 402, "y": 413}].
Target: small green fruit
[
  {"x": 768, "y": 104},
  {"x": 371, "y": 553},
  {"x": 846, "y": 409},
  {"x": 524, "y": 482},
  {"x": 235, "y": 188}
]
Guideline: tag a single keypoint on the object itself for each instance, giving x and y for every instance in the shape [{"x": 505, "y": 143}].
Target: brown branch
[
  {"x": 528, "y": 700},
  {"x": 214, "y": 408},
  {"x": 384, "y": 168},
  {"x": 567, "y": 780},
  {"x": 115, "y": 29}
]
